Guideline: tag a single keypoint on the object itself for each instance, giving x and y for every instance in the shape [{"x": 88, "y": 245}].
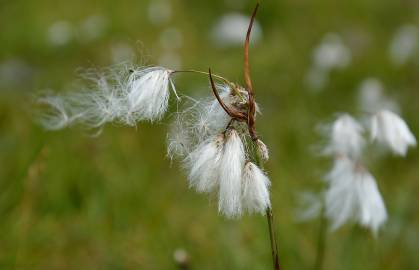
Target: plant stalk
[
  {"x": 270, "y": 220},
  {"x": 321, "y": 242}
]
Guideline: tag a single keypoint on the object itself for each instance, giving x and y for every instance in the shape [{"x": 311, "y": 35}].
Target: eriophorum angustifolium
[
  {"x": 214, "y": 138},
  {"x": 352, "y": 193},
  {"x": 117, "y": 94}
]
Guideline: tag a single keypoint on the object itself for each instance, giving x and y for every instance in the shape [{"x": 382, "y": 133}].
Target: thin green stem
[
  {"x": 321, "y": 242},
  {"x": 202, "y": 72},
  {"x": 232, "y": 85},
  {"x": 270, "y": 219}
]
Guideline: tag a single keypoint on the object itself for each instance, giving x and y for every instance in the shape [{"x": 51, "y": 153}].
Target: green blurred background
[{"x": 71, "y": 201}]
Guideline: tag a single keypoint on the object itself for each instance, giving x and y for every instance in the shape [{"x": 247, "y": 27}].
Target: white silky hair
[
  {"x": 391, "y": 130},
  {"x": 255, "y": 196},
  {"x": 346, "y": 137},
  {"x": 353, "y": 196},
  {"x": 199, "y": 120},
  {"x": 148, "y": 93},
  {"x": 203, "y": 164},
  {"x": 372, "y": 208},
  {"x": 230, "y": 175},
  {"x": 111, "y": 95}
]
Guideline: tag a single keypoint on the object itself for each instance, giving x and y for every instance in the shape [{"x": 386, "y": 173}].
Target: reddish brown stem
[
  {"x": 233, "y": 113},
  {"x": 248, "y": 81}
]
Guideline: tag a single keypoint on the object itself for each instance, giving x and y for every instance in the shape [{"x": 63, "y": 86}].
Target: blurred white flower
[
  {"x": 317, "y": 79},
  {"x": 231, "y": 172},
  {"x": 310, "y": 206},
  {"x": 392, "y": 131},
  {"x": 159, "y": 11},
  {"x": 346, "y": 137},
  {"x": 93, "y": 27},
  {"x": 353, "y": 196},
  {"x": 255, "y": 198},
  {"x": 229, "y": 29},
  {"x": 60, "y": 33},
  {"x": 171, "y": 39},
  {"x": 122, "y": 52},
  {"x": 371, "y": 97},
  {"x": 15, "y": 73},
  {"x": 332, "y": 53},
  {"x": 181, "y": 257},
  {"x": 404, "y": 44}
]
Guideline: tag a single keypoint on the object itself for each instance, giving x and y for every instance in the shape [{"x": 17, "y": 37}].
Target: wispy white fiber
[
  {"x": 353, "y": 196},
  {"x": 231, "y": 171},
  {"x": 203, "y": 164},
  {"x": 114, "y": 95},
  {"x": 201, "y": 119},
  {"x": 346, "y": 137},
  {"x": 391, "y": 130},
  {"x": 255, "y": 197},
  {"x": 148, "y": 93},
  {"x": 372, "y": 209}
]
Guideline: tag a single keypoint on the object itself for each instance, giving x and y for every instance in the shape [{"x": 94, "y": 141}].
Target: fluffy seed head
[
  {"x": 148, "y": 93},
  {"x": 231, "y": 171},
  {"x": 262, "y": 150},
  {"x": 203, "y": 164},
  {"x": 346, "y": 137},
  {"x": 353, "y": 196},
  {"x": 391, "y": 130},
  {"x": 255, "y": 197},
  {"x": 112, "y": 95}
]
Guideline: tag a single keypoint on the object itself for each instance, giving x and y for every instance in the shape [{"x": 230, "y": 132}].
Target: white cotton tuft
[
  {"x": 56, "y": 116},
  {"x": 231, "y": 171},
  {"x": 372, "y": 209},
  {"x": 262, "y": 150},
  {"x": 391, "y": 130},
  {"x": 346, "y": 137},
  {"x": 148, "y": 93},
  {"x": 112, "y": 95},
  {"x": 210, "y": 116},
  {"x": 203, "y": 164},
  {"x": 255, "y": 197},
  {"x": 353, "y": 196},
  {"x": 332, "y": 53}
]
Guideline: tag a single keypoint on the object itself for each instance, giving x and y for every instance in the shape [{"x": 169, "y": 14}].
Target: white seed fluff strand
[
  {"x": 231, "y": 171},
  {"x": 255, "y": 197}
]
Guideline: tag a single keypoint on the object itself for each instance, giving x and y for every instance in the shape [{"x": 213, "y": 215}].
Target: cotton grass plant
[{"x": 215, "y": 139}]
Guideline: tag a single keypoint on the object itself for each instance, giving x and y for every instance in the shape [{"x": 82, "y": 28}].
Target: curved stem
[{"x": 204, "y": 73}]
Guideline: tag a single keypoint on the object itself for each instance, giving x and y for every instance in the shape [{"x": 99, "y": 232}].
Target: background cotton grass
[
  {"x": 352, "y": 194},
  {"x": 102, "y": 192},
  {"x": 330, "y": 54}
]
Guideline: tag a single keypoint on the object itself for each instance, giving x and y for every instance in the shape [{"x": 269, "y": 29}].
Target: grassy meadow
[{"x": 70, "y": 200}]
